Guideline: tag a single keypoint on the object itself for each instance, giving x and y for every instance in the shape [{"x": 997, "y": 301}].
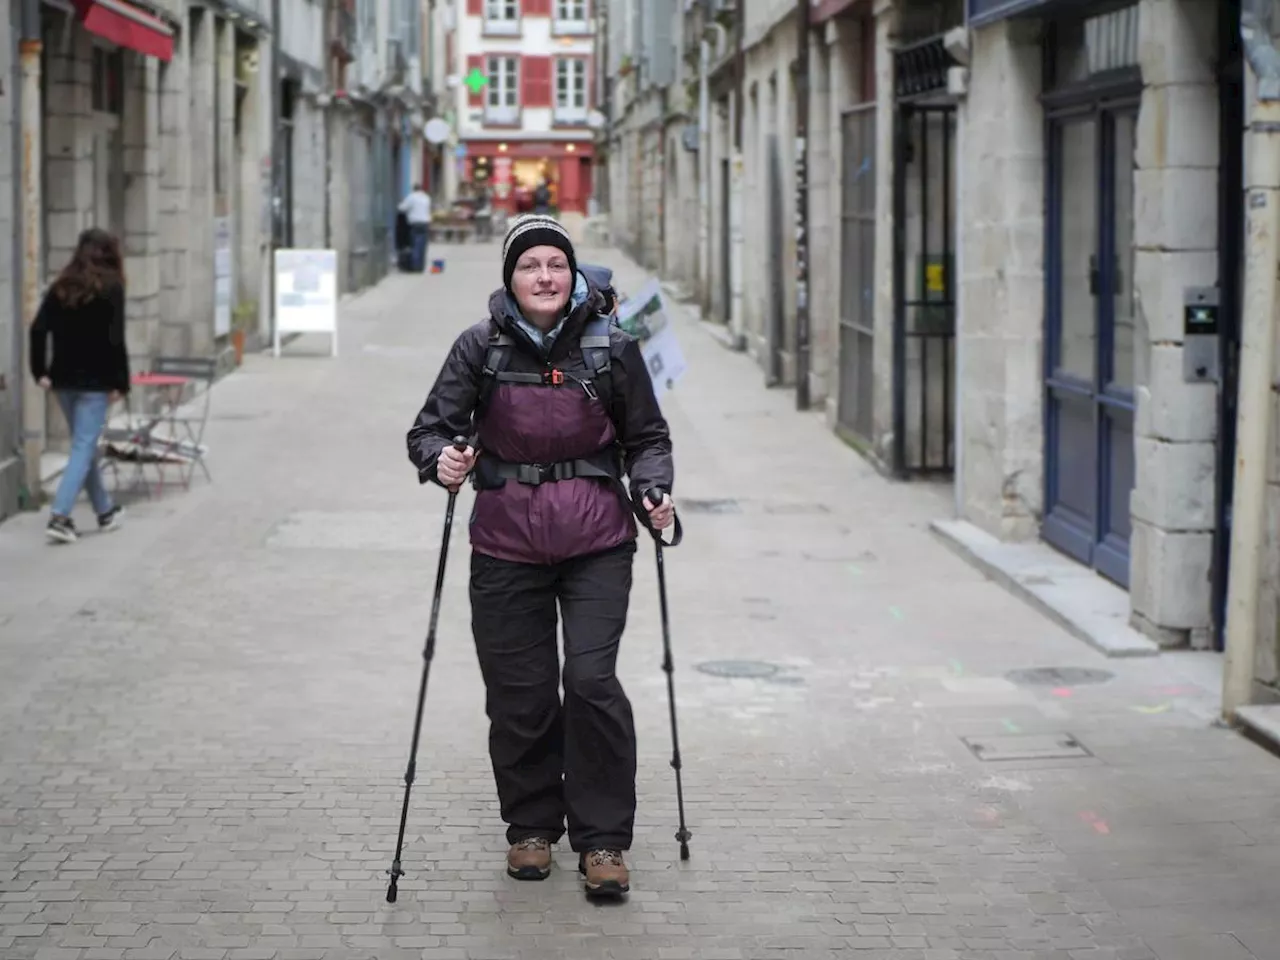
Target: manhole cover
[
  {"x": 739, "y": 669},
  {"x": 1058, "y": 676},
  {"x": 709, "y": 506},
  {"x": 1047, "y": 746},
  {"x": 795, "y": 509}
]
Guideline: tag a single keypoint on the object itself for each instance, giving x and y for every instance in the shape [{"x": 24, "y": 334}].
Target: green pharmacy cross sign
[{"x": 476, "y": 80}]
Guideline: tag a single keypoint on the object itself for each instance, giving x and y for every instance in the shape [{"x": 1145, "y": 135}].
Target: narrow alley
[{"x": 205, "y": 718}]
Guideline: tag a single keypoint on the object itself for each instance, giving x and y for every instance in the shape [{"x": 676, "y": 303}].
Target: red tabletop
[{"x": 157, "y": 380}]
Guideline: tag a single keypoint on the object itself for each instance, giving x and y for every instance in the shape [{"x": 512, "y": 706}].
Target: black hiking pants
[{"x": 554, "y": 761}]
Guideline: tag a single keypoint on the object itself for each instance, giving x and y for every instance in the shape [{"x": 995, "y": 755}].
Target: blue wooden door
[{"x": 1089, "y": 357}]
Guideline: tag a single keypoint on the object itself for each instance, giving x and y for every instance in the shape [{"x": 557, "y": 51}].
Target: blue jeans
[
  {"x": 86, "y": 414},
  {"x": 418, "y": 237}
]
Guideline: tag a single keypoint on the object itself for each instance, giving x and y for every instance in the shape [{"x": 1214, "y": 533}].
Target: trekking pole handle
[
  {"x": 460, "y": 443},
  {"x": 655, "y": 496}
]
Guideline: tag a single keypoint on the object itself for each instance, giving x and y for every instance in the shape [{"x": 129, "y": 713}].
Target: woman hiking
[
  {"x": 83, "y": 313},
  {"x": 559, "y": 406}
]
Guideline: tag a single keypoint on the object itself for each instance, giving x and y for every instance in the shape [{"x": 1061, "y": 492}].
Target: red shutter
[
  {"x": 535, "y": 8},
  {"x": 475, "y": 8},
  {"x": 475, "y": 97},
  {"x": 535, "y": 81}
]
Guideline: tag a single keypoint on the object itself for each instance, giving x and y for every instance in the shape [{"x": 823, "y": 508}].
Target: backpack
[{"x": 596, "y": 363}]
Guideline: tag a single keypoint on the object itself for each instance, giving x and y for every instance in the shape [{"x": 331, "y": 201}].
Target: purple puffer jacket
[{"x": 533, "y": 423}]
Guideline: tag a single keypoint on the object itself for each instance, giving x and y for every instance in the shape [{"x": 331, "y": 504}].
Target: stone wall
[
  {"x": 12, "y": 328},
  {"x": 769, "y": 247},
  {"x": 1001, "y": 284},
  {"x": 1176, "y": 192}
]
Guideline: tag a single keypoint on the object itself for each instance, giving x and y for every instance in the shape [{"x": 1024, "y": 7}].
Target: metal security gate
[
  {"x": 924, "y": 318},
  {"x": 924, "y": 282},
  {"x": 854, "y": 405}
]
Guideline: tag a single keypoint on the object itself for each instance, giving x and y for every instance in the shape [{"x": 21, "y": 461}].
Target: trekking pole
[
  {"x": 655, "y": 495},
  {"x": 459, "y": 443}
]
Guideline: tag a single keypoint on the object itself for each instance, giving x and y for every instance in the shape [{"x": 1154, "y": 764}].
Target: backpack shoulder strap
[
  {"x": 597, "y": 358},
  {"x": 595, "y": 344},
  {"x": 496, "y": 359}
]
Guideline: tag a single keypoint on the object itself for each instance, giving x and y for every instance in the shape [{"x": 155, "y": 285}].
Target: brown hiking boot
[
  {"x": 529, "y": 859},
  {"x": 605, "y": 872}
]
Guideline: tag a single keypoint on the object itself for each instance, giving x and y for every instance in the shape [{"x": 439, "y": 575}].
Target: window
[
  {"x": 571, "y": 16},
  {"x": 502, "y": 94},
  {"x": 108, "y": 80},
  {"x": 571, "y": 91},
  {"x": 502, "y": 16}
]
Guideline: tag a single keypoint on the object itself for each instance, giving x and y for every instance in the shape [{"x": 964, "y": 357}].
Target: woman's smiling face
[{"x": 542, "y": 283}]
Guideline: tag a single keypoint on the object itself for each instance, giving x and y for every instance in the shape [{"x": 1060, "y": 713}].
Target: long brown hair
[{"x": 95, "y": 268}]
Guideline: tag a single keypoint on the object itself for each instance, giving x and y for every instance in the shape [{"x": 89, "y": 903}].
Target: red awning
[{"x": 127, "y": 26}]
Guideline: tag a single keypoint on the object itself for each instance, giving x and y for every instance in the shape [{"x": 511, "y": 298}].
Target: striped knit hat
[{"x": 534, "y": 230}]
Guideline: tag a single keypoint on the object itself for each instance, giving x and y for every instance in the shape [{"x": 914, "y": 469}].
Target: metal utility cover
[
  {"x": 739, "y": 669},
  {"x": 1058, "y": 676},
  {"x": 1030, "y": 746},
  {"x": 709, "y": 506}
]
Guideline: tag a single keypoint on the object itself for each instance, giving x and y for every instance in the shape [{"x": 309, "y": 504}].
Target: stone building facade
[{"x": 171, "y": 124}]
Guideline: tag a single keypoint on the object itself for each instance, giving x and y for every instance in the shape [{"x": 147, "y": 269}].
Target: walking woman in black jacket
[{"x": 83, "y": 314}]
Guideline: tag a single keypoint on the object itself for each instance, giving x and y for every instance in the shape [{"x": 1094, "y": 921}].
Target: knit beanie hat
[{"x": 534, "y": 230}]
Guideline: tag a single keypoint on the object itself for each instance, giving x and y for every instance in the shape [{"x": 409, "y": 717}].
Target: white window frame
[
  {"x": 570, "y": 16},
  {"x": 502, "y": 92},
  {"x": 502, "y": 17},
  {"x": 571, "y": 102}
]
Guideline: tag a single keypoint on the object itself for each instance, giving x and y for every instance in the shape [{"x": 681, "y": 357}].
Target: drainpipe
[
  {"x": 1258, "y": 337},
  {"x": 32, "y": 161},
  {"x": 704, "y": 170}
]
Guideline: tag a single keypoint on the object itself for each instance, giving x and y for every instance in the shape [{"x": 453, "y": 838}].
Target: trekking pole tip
[{"x": 392, "y": 893}]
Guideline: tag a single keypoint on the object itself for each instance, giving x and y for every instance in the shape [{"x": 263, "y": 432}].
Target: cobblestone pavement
[{"x": 204, "y": 718}]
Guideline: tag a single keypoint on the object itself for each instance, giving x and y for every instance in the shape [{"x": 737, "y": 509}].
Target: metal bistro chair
[
  {"x": 181, "y": 421},
  {"x": 191, "y": 414}
]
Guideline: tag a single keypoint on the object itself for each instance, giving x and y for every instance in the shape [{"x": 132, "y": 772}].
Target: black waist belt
[{"x": 491, "y": 472}]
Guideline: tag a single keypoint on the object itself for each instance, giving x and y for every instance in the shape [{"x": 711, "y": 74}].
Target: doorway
[
  {"x": 1089, "y": 356},
  {"x": 924, "y": 315}
]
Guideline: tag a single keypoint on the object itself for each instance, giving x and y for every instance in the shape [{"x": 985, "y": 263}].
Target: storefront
[{"x": 511, "y": 171}]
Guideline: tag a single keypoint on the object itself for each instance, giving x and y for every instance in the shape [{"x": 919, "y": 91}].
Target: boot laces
[
  {"x": 533, "y": 843},
  {"x": 604, "y": 858}
]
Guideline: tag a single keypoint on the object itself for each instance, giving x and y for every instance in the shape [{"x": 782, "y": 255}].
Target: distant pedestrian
[
  {"x": 542, "y": 199},
  {"x": 416, "y": 206},
  {"x": 564, "y": 409},
  {"x": 83, "y": 313}
]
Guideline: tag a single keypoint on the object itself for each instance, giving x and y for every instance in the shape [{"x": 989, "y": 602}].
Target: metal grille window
[{"x": 857, "y": 286}]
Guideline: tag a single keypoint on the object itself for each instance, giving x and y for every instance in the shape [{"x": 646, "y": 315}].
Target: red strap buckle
[{"x": 555, "y": 377}]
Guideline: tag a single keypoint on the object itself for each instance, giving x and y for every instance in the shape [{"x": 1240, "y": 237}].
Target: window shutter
[
  {"x": 475, "y": 61},
  {"x": 536, "y": 83},
  {"x": 475, "y": 8},
  {"x": 536, "y": 8}
]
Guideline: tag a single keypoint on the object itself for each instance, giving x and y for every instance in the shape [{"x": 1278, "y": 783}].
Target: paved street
[{"x": 204, "y": 719}]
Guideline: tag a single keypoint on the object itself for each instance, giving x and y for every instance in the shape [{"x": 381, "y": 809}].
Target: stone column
[
  {"x": 202, "y": 154},
  {"x": 68, "y": 145},
  {"x": 886, "y": 26},
  {"x": 1175, "y": 240},
  {"x": 841, "y": 40},
  {"x": 1001, "y": 286},
  {"x": 181, "y": 331},
  {"x": 142, "y": 201}
]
